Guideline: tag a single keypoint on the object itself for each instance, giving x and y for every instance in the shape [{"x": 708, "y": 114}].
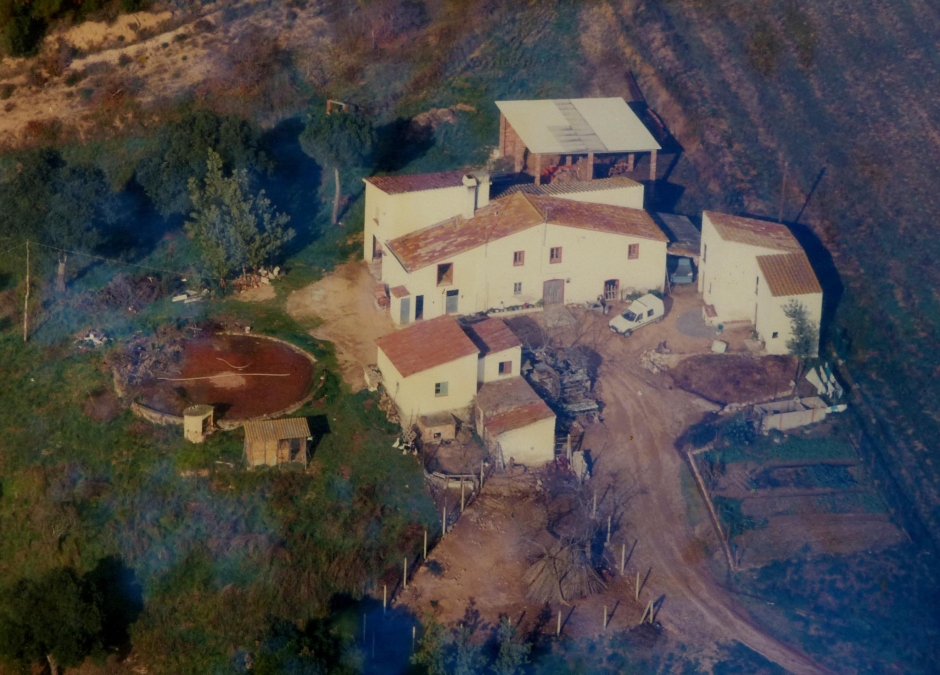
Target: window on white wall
[
  {"x": 774, "y": 335},
  {"x": 517, "y": 287},
  {"x": 440, "y": 389},
  {"x": 505, "y": 367}
]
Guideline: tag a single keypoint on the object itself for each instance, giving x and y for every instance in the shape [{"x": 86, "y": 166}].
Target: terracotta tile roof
[
  {"x": 492, "y": 335},
  {"x": 510, "y": 404},
  {"x": 515, "y": 213},
  {"x": 426, "y": 344},
  {"x": 753, "y": 232},
  {"x": 276, "y": 430},
  {"x": 788, "y": 274},
  {"x": 395, "y": 185},
  {"x": 399, "y": 292},
  {"x": 566, "y": 187}
]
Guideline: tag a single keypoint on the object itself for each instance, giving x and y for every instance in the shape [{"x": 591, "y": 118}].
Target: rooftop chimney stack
[{"x": 470, "y": 201}]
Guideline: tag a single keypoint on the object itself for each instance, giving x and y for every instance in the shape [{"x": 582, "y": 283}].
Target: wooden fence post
[{"x": 404, "y": 583}]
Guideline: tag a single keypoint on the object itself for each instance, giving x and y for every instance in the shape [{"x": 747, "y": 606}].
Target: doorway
[
  {"x": 376, "y": 248},
  {"x": 405, "y": 315},
  {"x": 419, "y": 307},
  {"x": 553, "y": 292},
  {"x": 451, "y": 302},
  {"x": 611, "y": 289}
]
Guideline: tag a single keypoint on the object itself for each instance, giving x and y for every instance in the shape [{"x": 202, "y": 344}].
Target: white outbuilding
[{"x": 749, "y": 271}]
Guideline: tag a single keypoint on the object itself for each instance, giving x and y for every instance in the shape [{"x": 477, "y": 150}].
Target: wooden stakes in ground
[
  {"x": 636, "y": 594},
  {"x": 463, "y": 500},
  {"x": 404, "y": 583},
  {"x": 608, "y": 528},
  {"x": 414, "y": 631},
  {"x": 444, "y": 524},
  {"x": 594, "y": 511},
  {"x": 605, "y": 618},
  {"x": 648, "y": 610},
  {"x": 384, "y": 597},
  {"x": 425, "y": 543},
  {"x": 558, "y": 631},
  {"x": 623, "y": 557},
  {"x": 481, "y": 474}
]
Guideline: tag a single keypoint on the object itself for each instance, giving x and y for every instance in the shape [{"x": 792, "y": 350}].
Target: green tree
[
  {"x": 338, "y": 140},
  {"x": 513, "y": 655},
  {"x": 468, "y": 657},
  {"x": 56, "y": 619},
  {"x": 80, "y": 198},
  {"x": 433, "y": 648},
  {"x": 181, "y": 155},
  {"x": 234, "y": 229},
  {"x": 804, "y": 333}
]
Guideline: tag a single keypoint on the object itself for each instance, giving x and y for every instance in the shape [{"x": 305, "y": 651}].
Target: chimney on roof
[
  {"x": 470, "y": 200},
  {"x": 483, "y": 188}
]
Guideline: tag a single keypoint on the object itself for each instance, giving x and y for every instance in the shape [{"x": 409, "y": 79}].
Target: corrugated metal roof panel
[
  {"x": 578, "y": 126},
  {"x": 277, "y": 430},
  {"x": 789, "y": 274}
]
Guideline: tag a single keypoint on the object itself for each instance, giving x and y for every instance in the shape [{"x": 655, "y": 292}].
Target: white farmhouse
[
  {"x": 523, "y": 248},
  {"x": 500, "y": 350},
  {"x": 749, "y": 270},
  {"x": 428, "y": 368},
  {"x": 397, "y": 205}
]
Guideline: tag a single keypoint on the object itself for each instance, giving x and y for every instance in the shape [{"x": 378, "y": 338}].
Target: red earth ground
[{"x": 242, "y": 376}]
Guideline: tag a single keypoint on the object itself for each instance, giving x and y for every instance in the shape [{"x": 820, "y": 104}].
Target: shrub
[
  {"x": 125, "y": 60},
  {"x": 6, "y": 90}
]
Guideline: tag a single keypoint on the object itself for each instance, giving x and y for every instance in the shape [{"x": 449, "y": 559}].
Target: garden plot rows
[{"x": 785, "y": 496}]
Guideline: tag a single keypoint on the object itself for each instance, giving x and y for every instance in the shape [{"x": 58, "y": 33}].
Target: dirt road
[
  {"x": 643, "y": 416},
  {"x": 344, "y": 302}
]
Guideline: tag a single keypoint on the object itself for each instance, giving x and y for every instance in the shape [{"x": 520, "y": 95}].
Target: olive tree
[
  {"x": 234, "y": 229},
  {"x": 338, "y": 140}
]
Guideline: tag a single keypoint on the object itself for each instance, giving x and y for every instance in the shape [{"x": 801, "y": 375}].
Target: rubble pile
[
  {"x": 261, "y": 277},
  {"x": 659, "y": 359},
  {"x": 387, "y": 405},
  {"x": 561, "y": 376}
]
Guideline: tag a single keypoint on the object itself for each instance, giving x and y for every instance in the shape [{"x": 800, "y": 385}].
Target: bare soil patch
[
  {"x": 102, "y": 406},
  {"x": 242, "y": 376},
  {"x": 735, "y": 378},
  {"x": 343, "y": 302}
]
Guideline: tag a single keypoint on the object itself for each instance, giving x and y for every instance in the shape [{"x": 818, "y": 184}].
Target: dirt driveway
[
  {"x": 644, "y": 414},
  {"x": 344, "y": 302}
]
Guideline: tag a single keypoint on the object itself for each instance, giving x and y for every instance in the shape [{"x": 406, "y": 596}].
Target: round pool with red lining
[{"x": 242, "y": 376}]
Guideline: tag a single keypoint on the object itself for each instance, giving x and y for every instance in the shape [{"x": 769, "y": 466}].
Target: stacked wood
[{"x": 562, "y": 377}]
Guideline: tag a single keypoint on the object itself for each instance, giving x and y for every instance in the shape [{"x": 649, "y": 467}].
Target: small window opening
[{"x": 445, "y": 274}]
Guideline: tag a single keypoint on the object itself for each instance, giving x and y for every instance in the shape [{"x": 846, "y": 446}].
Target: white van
[{"x": 642, "y": 311}]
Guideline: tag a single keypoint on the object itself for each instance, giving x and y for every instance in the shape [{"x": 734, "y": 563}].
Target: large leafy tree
[
  {"x": 339, "y": 140},
  {"x": 80, "y": 199},
  {"x": 55, "y": 619},
  {"x": 181, "y": 155},
  {"x": 234, "y": 229}
]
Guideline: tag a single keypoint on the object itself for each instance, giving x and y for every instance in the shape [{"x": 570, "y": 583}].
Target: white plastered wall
[
  {"x": 485, "y": 277},
  {"x": 728, "y": 274},
  {"x": 532, "y": 445},
  {"x": 488, "y": 367},
  {"x": 390, "y": 216},
  {"x": 414, "y": 395},
  {"x": 629, "y": 196},
  {"x": 771, "y": 318}
]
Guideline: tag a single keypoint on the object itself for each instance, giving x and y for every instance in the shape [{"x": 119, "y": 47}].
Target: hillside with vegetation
[{"x": 821, "y": 112}]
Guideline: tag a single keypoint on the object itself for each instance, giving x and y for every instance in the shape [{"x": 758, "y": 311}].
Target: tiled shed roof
[
  {"x": 399, "y": 292},
  {"x": 418, "y": 182},
  {"x": 492, "y": 335},
  {"x": 277, "y": 430},
  {"x": 515, "y": 213},
  {"x": 788, "y": 274},
  {"x": 510, "y": 404},
  {"x": 426, "y": 344},
  {"x": 754, "y": 232}
]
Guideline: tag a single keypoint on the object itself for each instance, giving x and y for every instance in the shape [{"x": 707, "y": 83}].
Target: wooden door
[
  {"x": 553, "y": 292},
  {"x": 405, "y": 315}
]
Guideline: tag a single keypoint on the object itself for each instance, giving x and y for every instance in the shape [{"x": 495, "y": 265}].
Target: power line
[{"x": 10, "y": 249}]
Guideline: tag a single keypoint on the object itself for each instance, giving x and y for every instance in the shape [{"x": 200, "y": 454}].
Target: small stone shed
[
  {"x": 198, "y": 422},
  {"x": 515, "y": 422},
  {"x": 274, "y": 442}
]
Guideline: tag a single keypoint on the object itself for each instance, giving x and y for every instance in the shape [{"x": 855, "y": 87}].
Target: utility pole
[{"x": 26, "y": 301}]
